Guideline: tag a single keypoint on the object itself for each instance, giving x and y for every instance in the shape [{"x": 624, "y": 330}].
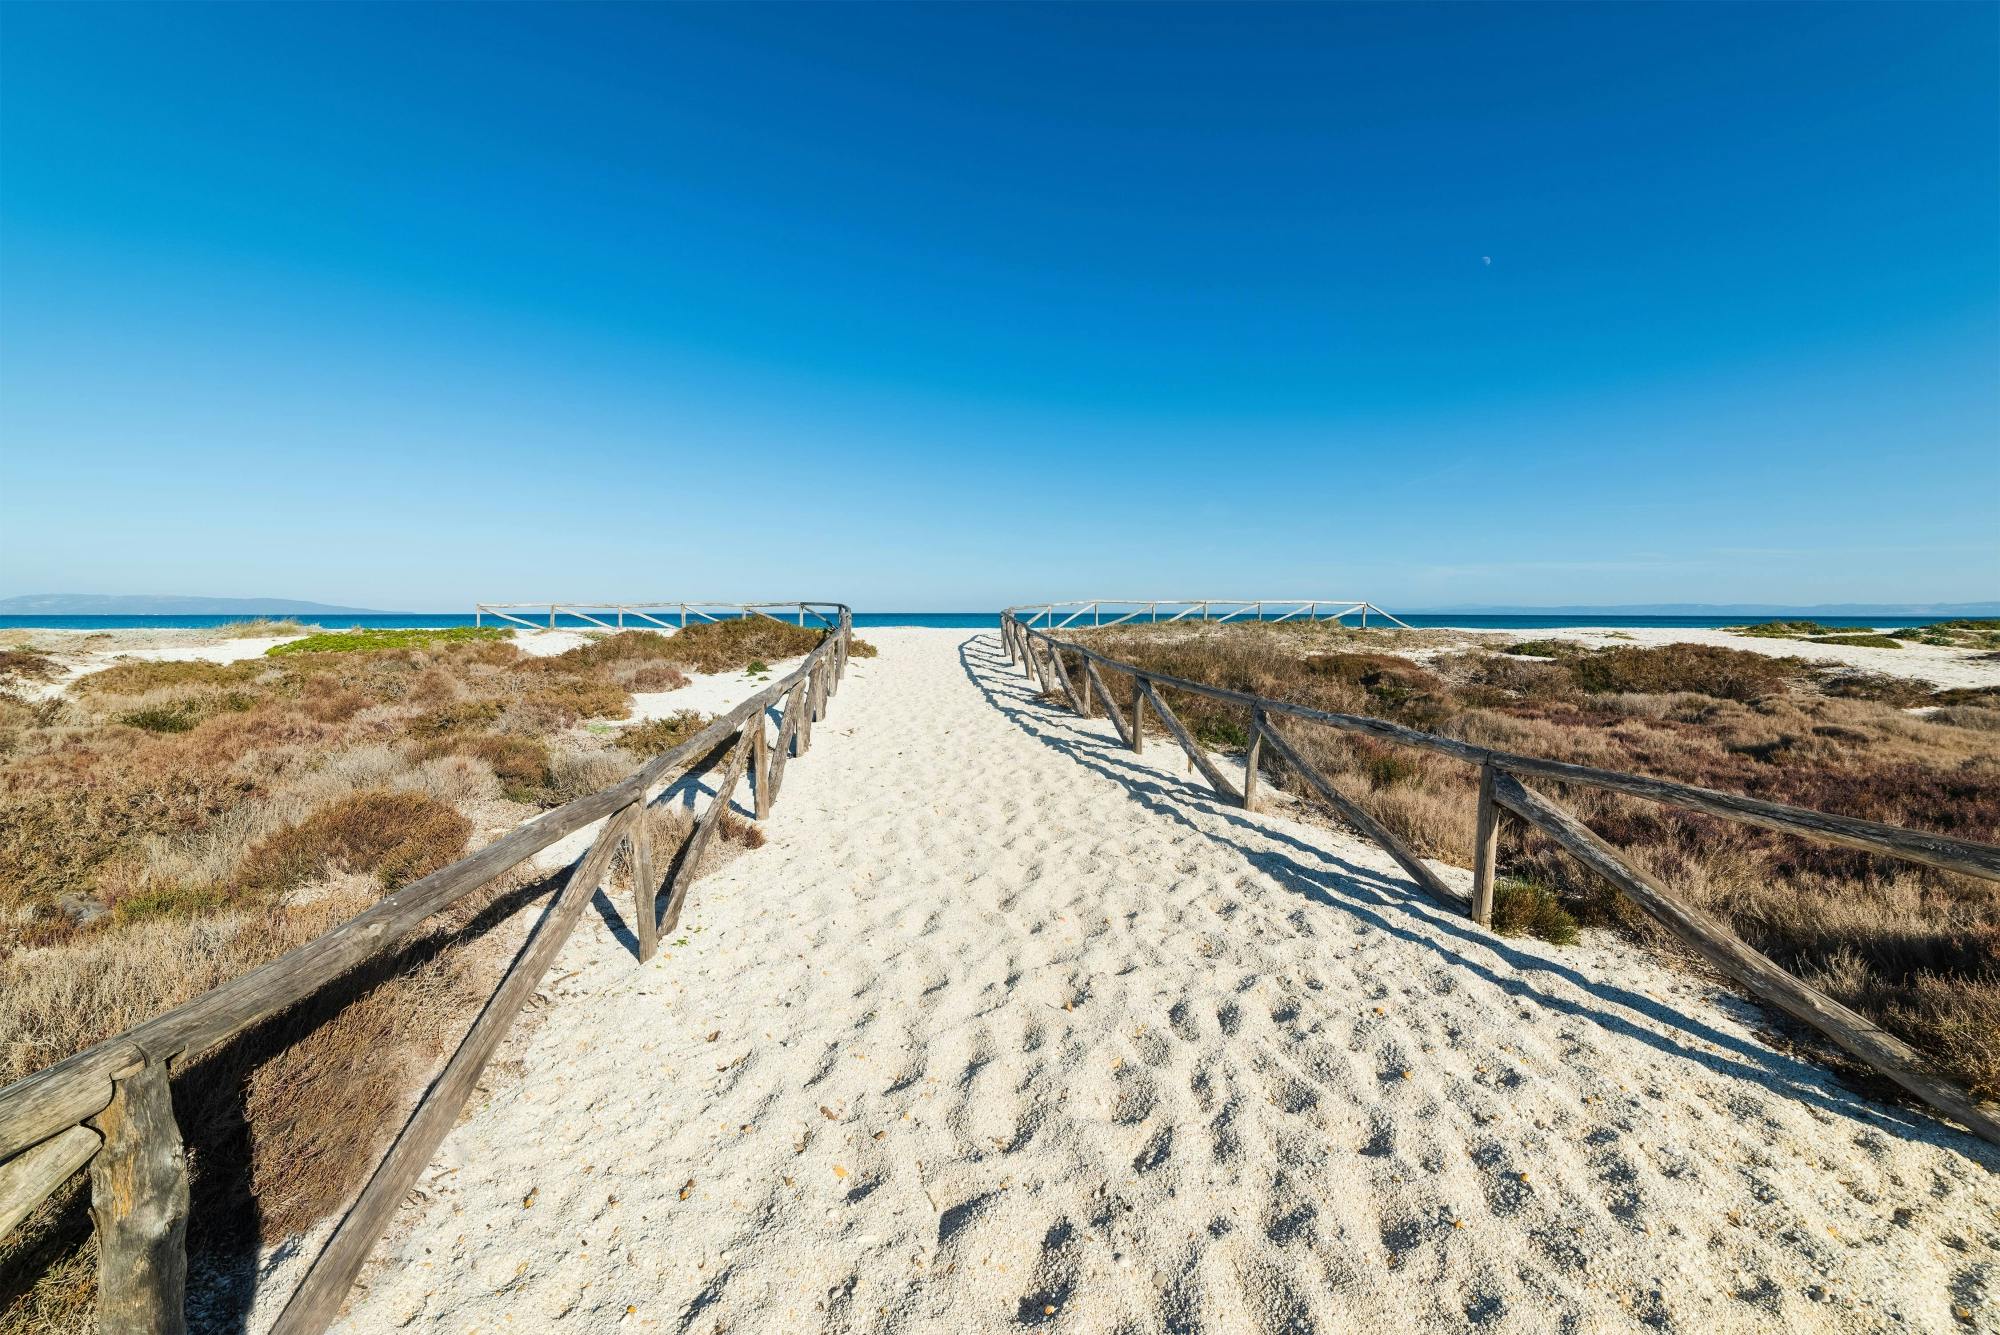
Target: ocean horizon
[{"x": 946, "y": 620}]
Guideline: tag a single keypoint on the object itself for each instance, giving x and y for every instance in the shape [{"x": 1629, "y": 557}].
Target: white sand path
[{"x": 1007, "y": 1026}]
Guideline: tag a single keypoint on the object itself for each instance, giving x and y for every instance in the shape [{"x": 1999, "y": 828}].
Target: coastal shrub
[
  {"x": 394, "y": 836},
  {"x": 656, "y": 737},
  {"x": 262, "y": 628},
  {"x": 1958, "y": 633},
  {"x": 1783, "y": 630},
  {"x": 1727, "y": 674},
  {"x": 176, "y": 717},
  {"x": 138, "y": 676},
  {"x": 1867, "y": 641},
  {"x": 627, "y": 646},
  {"x": 1545, "y": 649},
  {"x": 731, "y": 646},
  {"x": 1529, "y": 908},
  {"x": 1968, "y": 716},
  {"x": 27, "y": 665},
  {"x": 652, "y": 677},
  {"x": 368, "y": 641},
  {"x": 858, "y": 648}
]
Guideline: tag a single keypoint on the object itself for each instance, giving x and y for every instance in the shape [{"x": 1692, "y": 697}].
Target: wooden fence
[
  {"x": 1501, "y": 790},
  {"x": 110, "y": 1107},
  {"x": 1122, "y": 610},
  {"x": 667, "y": 616}
]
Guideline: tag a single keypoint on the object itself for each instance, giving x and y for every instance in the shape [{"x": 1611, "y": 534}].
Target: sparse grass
[
  {"x": 1915, "y": 949},
  {"x": 374, "y": 640}
]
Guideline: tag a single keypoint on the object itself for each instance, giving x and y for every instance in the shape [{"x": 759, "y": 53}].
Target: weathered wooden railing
[
  {"x": 1501, "y": 790},
  {"x": 1218, "y": 610},
  {"x": 611, "y": 616},
  {"x": 110, "y": 1106}
]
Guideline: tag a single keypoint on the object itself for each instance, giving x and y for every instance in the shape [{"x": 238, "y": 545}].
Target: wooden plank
[
  {"x": 807, "y": 703},
  {"x": 319, "y": 1295},
  {"x": 1430, "y": 881},
  {"x": 27, "y": 1179},
  {"x": 1111, "y": 710},
  {"x": 1062, "y": 679},
  {"x": 1485, "y": 848},
  {"x": 645, "y": 890},
  {"x": 1084, "y": 689},
  {"x": 1210, "y": 771},
  {"x": 788, "y": 724},
  {"x": 139, "y": 1207},
  {"x": 704, "y": 830},
  {"x": 1936, "y": 850},
  {"x": 1711, "y": 938},
  {"x": 1252, "y": 758}
]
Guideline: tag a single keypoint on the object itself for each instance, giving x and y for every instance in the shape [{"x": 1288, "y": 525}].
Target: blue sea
[{"x": 951, "y": 620}]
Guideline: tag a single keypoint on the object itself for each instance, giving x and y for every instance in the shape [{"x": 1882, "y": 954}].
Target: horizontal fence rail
[
  {"x": 664, "y": 616},
  {"x": 1121, "y": 610},
  {"x": 1501, "y": 793},
  {"x": 110, "y": 1107}
]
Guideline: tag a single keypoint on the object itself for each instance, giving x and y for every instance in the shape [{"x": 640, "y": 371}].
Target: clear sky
[{"x": 944, "y": 307}]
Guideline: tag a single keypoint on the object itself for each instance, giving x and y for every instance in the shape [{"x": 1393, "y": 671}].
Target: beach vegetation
[
  {"x": 1524, "y": 907},
  {"x": 658, "y": 736},
  {"x": 370, "y": 640},
  {"x": 1915, "y": 949},
  {"x": 1859, "y": 640}
]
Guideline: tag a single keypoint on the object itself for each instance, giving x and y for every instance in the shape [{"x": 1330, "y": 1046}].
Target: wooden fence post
[
  {"x": 1253, "y": 757},
  {"x": 1485, "y": 848},
  {"x": 760, "y": 763},
  {"x": 1138, "y": 713},
  {"x": 645, "y": 890},
  {"x": 139, "y": 1204}
]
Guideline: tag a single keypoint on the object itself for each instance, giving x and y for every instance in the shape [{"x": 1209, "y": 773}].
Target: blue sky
[{"x": 946, "y": 307}]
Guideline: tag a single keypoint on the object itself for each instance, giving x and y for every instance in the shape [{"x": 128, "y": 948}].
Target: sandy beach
[{"x": 1005, "y": 1025}]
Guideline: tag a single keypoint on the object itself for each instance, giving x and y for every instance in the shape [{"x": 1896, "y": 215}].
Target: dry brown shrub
[
  {"x": 656, "y": 737},
  {"x": 651, "y": 677},
  {"x": 726, "y": 646},
  {"x": 27, "y": 665},
  {"x": 394, "y": 836},
  {"x": 1729, "y": 674}
]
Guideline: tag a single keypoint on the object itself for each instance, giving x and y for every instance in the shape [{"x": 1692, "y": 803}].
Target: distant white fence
[{"x": 611, "y": 616}]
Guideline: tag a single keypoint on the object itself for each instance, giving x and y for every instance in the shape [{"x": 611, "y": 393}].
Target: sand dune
[{"x": 1005, "y": 1025}]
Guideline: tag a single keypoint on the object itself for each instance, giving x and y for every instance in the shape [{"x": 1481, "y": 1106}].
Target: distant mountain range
[
  {"x": 1724, "y": 610},
  {"x": 165, "y": 605}
]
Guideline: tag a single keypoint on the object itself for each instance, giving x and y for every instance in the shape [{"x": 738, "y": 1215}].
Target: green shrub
[
  {"x": 1544, "y": 649},
  {"x": 1782, "y": 630},
  {"x": 360, "y": 641},
  {"x": 1866, "y": 641},
  {"x": 1529, "y": 908}
]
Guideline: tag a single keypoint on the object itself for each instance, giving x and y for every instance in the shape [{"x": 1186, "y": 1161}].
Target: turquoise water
[{"x": 949, "y": 620}]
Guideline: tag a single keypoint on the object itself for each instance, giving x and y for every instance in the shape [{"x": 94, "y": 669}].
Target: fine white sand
[{"x": 1006, "y": 1026}]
